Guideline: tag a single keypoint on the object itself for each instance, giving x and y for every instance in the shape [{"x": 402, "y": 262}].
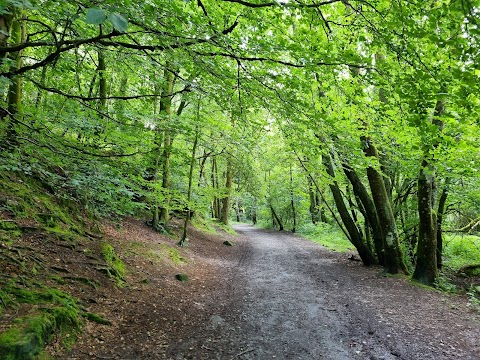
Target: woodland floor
[{"x": 271, "y": 296}]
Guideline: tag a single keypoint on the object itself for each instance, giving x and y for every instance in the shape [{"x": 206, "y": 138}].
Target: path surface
[
  {"x": 277, "y": 296},
  {"x": 288, "y": 298}
]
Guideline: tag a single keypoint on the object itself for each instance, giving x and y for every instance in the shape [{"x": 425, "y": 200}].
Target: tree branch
[{"x": 285, "y": 4}]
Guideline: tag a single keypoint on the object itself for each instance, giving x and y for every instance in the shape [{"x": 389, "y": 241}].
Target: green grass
[
  {"x": 211, "y": 226},
  {"x": 173, "y": 254},
  {"x": 156, "y": 252},
  {"x": 327, "y": 235},
  {"x": 203, "y": 225},
  {"x": 460, "y": 250}
]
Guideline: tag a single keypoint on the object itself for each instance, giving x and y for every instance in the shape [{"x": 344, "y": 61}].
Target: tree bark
[
  {"x": 313, "y": 202},
  {"x": 228, "y": 186},
  {"x": 18, "y": 35},
  {"x": 216, "y": 200},
  {"x": 440, "y": 212},
  {"x": 354, "y": 233},
  {"x": 183, "y": 240},
  {"x": 292, "y": 202},
  {"x": 393, "y": 259},
  {"x": 275, "y": 218},
  {"x": 426, "y": 270},
  {"x": 166, "y": 111},
  {"x": 370, "y": 211}
]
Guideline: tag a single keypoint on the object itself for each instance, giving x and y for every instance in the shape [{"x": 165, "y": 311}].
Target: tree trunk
[
  {"x": 102, "y": 83},
  {"x": 166, "y": 111},
  {"x": 237, "y": 210},
  {"x": 18, "y": 35},
  {"x": 183, "y": 240},
  {"x": 440, "y": 212},
  {"x": 292, "y": 202},
  {"x": 426, "y": 270},
  {"x": 120, "y": 104},
  {"x": 355, "y": 235},
  {"x": 6, "y": 20},
  {"x": 393, "y": 259},
  {"x": 370, "y": 211},
  {"x": 313, "y": 203},
  {"x": 226, "y": 199},
  {"x": 275, "y": 218},
  {"x": 216, "y": 200}
]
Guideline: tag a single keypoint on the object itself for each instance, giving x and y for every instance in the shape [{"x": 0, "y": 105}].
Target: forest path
[
  {"x": 274, "y": 295},
  {"x": 289, "y": 298}
]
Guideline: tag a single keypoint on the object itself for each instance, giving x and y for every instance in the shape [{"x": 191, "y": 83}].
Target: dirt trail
[
  {"x": 304, "y": 302},
  {"x": 277, "y": 296}
]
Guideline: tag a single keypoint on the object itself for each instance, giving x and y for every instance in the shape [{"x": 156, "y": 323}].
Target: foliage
[
  {"x": 326, "y": 235},
  {"x": 105, "y": 101},
  {"x": 461, "y": 250}
]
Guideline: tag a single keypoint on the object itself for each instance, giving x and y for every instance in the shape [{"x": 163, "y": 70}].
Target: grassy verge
[
  {"x": 327, "y": 235},
  {"x": 461, "y": 250}
]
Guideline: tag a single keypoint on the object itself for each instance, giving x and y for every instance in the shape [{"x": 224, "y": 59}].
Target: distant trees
[{"x": 343, "y": 112}]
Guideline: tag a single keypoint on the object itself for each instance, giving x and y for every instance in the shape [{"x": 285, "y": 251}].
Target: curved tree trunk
[
  {"x": 276, "y": 219},
  {"x": 355, "y": 236},
  {"x": 393, "y": 259},
  {"x": 370, "y": 211}
]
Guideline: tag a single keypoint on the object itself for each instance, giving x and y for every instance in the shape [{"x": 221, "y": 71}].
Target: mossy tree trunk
[
  {"x": 426, "y": 270},
  {"x": 16, "y": 24},
  {"x": 440, "y": 212},
  {"x": 354, "y": 234},
  {"x": 393, "y": 258},
  {"x": 361, "y": 192}
]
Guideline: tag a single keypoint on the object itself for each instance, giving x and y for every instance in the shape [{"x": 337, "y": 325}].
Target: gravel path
[
  {"x": 296, "y": 300},
  {"x": 273, "y": 296}
]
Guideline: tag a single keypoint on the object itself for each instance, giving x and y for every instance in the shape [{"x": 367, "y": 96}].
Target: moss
[
  {"x": 174, "y": 255},
  {"x": 9, "y": 231},
  {"x": 42, "y": 295},
  {"x": 8, "y": 225},
  {"x": 28, "y": 336},
  {"x": 116, "y": 267},
  {"x": 182, "y": 277},
  {"x": 56, "y": 312},
  {"x": 62, "y": 234},
  {"x": 96, "y": 318}
]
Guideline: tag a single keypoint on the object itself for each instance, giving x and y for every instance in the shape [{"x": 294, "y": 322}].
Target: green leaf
[
  {"x": 118, "y": 22},
  {"x": 95, "y": 16}
]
